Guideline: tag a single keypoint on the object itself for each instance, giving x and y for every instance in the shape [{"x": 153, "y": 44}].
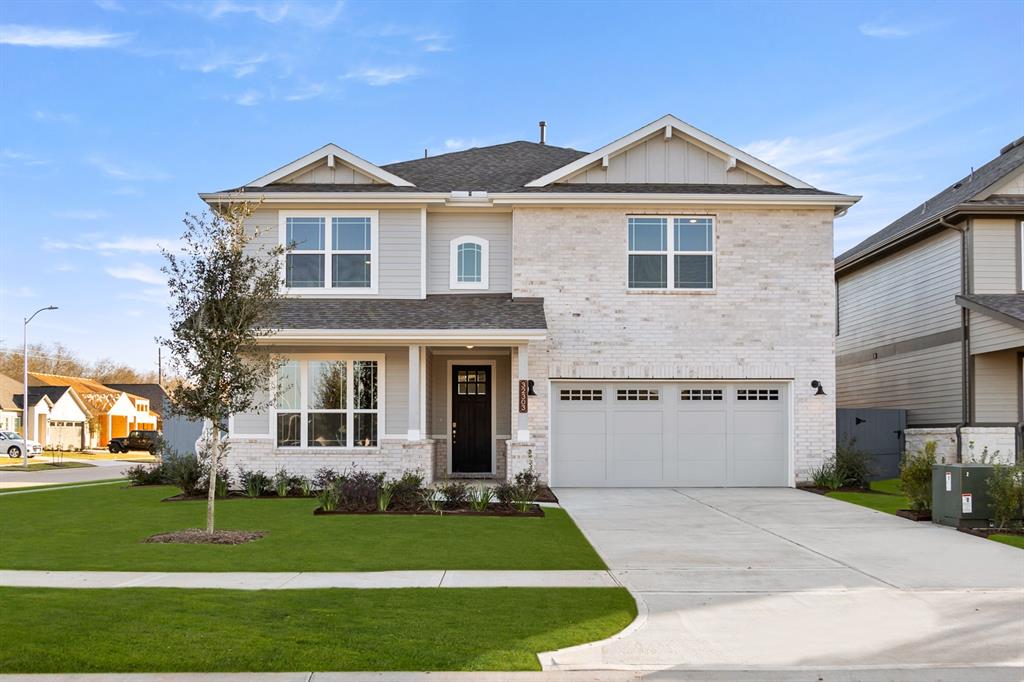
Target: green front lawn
[
  {"x": 44, "y": 466},
  {"x": 885, "y": 496},
  {"x": 170, "y": 630},
  {"x": 101, "y": 528},
  {"x": 1012, "y": 540}
]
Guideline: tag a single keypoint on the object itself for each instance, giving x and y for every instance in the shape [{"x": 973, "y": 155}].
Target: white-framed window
[
  {"x": 333, "y": 251},
  {"x": 671, "y": 252},
  {"x": 328, "y": 402},
  {"x": 469, "y": 263}
]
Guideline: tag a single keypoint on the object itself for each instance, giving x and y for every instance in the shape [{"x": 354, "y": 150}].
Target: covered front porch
[{"x": 447, "y": 402}]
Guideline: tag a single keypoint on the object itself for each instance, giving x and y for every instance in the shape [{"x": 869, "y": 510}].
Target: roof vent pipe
[
  {"x": 424, "y": 152},
  {"x": 543, "y": 132}
]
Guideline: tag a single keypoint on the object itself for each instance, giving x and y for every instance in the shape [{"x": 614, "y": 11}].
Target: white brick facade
[
  {"x": 945, "y": 442},
  {"x": 770, "y": 317},
  {"x": 1001, "y": 442}
]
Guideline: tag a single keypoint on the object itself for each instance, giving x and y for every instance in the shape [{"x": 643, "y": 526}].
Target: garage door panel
[{"x": 673, "y": 434}]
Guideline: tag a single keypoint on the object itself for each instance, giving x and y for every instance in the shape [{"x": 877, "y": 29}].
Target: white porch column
[
  {"x": 523, "y": 374},
  {"x": 414, "y": 432}
]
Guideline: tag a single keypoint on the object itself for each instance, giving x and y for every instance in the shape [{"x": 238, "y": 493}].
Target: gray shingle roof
[
  {"x": 441, "y": 311},
  {"x": 999, "y": 306},
  {"x": 950, "y": 198},
  {"x": 154, "y": 393}
]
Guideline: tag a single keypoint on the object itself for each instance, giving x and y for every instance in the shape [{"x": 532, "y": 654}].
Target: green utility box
[{"x": 960, "y": 495}]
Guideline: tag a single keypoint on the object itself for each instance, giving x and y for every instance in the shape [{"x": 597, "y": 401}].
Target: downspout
[{"x": 965, "y": 349}]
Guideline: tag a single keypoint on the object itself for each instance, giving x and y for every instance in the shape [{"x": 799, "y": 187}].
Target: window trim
[
  {"x": 670, "y": 254},
  {"x": 349, "y": 358},
  {"x": 329, "y": 251},
  {"x": 453, "y": 263}
]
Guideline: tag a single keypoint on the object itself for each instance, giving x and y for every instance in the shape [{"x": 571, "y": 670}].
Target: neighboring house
[
  {"x": 115, "y": 412},
  {"x": 179, "y": 433},
  {"x": 10, "y": 413},
  {"x": 930, "y": 315},
  {"x": 67, "y": 424},
  {"x": 39, "y": 407},
  {"x": 651, "y": 313}
]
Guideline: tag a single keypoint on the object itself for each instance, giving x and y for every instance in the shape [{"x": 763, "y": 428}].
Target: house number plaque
[{"x": 524, "y": 391}]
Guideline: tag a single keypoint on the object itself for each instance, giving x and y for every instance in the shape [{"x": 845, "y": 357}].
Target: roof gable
[
  {"x": 331, "y": 165},
  {"x": 727, "y": 160}
]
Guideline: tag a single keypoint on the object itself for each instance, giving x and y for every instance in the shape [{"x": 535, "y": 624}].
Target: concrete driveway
[
  {"x": 12, "y": 477},
  {"x": 779, "y": 579}
]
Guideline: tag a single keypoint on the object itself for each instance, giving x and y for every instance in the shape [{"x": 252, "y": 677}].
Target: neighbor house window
[
  {"x": 469, "y": 263},
  {"x": 328, "y": 403},
  {"x": 671, "y": 252},
  {"x": 333, "y": 250}
]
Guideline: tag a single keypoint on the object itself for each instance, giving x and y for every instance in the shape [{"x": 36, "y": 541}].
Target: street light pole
[{"x": 26, "y": 423}]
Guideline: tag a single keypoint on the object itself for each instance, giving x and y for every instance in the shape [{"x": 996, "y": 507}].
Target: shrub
[
  {"x": 282, "y": 483},
  {"x": 1006, "y": 490},
  {"x": 455, "y": 494},
  {"x": 185, "y": 472},
  {"x": 253, "y": 483},
  {"x": 358, "y": 490},
  {"x": 852, "y": 465},
  {"x": 431, "y": 499},
  {"x": 407, "y": 491},
  {"x": 827, "y": 476},
  {"x": 145, "y": 474},
  {"x": 384, "y": 495},
  {"x": 506, "y": 493},
  {"x": 916, "y": 476},
  {"x": 304, "y": 486},
  {"x": 328, "y": 498},
  {"x": 480, "y": 497},
  {"x": 323, "y": 478},
  {"x": 526, "y": 486}
]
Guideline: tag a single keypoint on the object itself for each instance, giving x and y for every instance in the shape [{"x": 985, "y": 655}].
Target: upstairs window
[
  {"x": 671, "y": 252},
  {"x": 469, "y": 263},
  {"x": 332, "y": 250}
]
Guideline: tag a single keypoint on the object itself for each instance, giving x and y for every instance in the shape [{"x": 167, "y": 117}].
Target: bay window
[
  {"x": 328, "y": 403},
  {"x": 330, "y": 250},
  {"x": 671, "y": 252}
]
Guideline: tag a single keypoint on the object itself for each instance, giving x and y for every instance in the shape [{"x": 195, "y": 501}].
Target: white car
[{"x": 13, "y": 445}]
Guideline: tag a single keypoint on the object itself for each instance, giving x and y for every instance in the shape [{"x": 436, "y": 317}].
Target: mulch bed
[
  {"x": 493, "y": 510},
  {"x": 915, "y": 515},
  {"x": 825, "y": 491},
  {"x": 198, "y": 536},
  {"x": 234, "y": 496},
  {"x": 985, "y": 532},
  {"x": 544, "y": 494}
]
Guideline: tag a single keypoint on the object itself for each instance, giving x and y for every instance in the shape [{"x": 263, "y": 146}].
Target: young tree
[{"x": 222, "y": 287}]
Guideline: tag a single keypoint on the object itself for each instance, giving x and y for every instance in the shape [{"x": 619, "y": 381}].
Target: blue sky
[{"x": 116, "y": 113}]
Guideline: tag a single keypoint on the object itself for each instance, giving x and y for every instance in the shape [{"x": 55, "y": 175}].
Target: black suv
[{"x": 136, "y": 440}]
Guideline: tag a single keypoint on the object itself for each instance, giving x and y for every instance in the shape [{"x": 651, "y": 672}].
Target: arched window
[{"x": 469, "y": 260}]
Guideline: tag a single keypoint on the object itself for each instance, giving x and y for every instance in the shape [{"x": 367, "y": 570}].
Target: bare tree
[{"x": 222, "y": 286}]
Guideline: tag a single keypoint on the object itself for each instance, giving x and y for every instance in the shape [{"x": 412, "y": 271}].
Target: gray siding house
[
  {"x": 651, "y": 313},
  {"x": 930, "y": 315}
]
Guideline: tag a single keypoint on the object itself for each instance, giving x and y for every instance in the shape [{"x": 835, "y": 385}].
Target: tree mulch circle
[
  {"x": 198, "y": 536},
  {"x": 492, "y": 510}
]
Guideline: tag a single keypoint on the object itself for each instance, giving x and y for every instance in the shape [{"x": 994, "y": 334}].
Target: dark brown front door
[{"x": 471, "y": 419}]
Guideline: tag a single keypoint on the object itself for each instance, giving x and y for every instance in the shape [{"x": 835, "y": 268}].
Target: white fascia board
[
  {"x": 324, "y": 152},
  {"x": 407, "y": 336},
  {"x": 419, "y": 198},
  {"x": 727, "y": 150},
  {"x": 640, "y": 198}
]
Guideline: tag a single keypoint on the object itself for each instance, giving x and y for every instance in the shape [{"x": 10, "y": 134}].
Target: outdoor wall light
[
  {"x": 529, "y": 387},
  {"x": 817, "y": 384}
]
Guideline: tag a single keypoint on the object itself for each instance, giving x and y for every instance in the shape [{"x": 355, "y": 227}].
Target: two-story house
[
  {"x": 651, "y": 313},
  {"x": 930, "y": 315}
]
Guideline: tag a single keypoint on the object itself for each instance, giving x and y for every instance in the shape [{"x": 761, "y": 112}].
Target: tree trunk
[{"x": 211, "y": 494}]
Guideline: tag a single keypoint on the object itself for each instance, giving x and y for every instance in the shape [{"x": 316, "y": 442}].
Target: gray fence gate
[{"x": 879, "y": 433}]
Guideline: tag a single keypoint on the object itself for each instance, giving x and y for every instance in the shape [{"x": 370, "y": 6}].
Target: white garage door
[
  {"x": 65, "y": 435},
  {"x": 669, "y": 434}
]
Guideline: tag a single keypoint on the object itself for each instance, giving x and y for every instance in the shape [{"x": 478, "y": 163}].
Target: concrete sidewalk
[
  {"x": 306, "y": 581},
  {"x": 926, "y": 674}
]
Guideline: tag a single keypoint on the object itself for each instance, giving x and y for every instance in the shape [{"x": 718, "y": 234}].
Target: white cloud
[
  {"x": 454, "y": 144},
  {"x": 81, "y": 214},
  {"x": 157, "y": 295},
  {"x": 110, "y": 5},
  {"x": 22, "y": 158},
  {"x": 54, "y": 117},
  {"x": 119, "y": 171},
  {"x": 238, "y": 66},
  {"x": 17, "y": 292},
  {"x": 249, "y": 98},
  {"x": 64, "y": 267},
  {"x": 882, "y": 30},
  {"x": 309, "y": 92},
  {"x": 38, "y": 36},
  {"x": 383, "y": 75},
  {"x": 314, "y": 14},
  {"x": 138, "y": 244},
  {"x": 434, "y": 42},
  {"x": 139, "y": 273}
]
